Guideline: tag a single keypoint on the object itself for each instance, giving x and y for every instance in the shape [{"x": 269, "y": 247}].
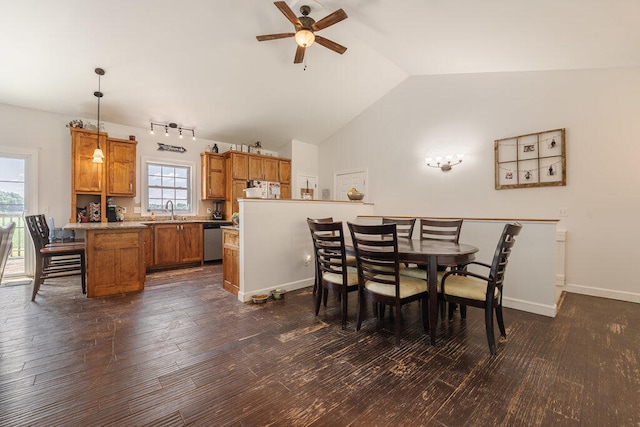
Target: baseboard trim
[
  {"x": 603, "y": 293},
  {"x": 530, "y": 307},
  {"x": 291, "y": 286}
]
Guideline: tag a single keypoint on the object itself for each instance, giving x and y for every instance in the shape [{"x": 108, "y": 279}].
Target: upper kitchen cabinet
[
  {"x": 238, "y": 165},
  {"x": 213, "y": 179},
  {"x": 284, "y": 172},
  {"x": 121, "y": 167},
  {"x": 263, "y": 168},
  {"x": 86, "y": 177},
  {"x": 93, "y": 182}
]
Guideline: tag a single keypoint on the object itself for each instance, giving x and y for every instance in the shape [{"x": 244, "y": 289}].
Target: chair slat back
[
  {"x": 404, "y": 226},
  {"x": 38, "y": 229},
  {"x": 503, "y": 250},
  {"x": 440, "y": 229},
  {"x": 376, "y": 248},
  {"x": 328, "y": 243}
]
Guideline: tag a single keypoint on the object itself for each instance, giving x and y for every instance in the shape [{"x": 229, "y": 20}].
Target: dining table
[{"x": 430, "y": 253}]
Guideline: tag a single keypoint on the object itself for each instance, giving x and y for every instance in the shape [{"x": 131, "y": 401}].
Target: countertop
[{"x": 121, "y": 225}]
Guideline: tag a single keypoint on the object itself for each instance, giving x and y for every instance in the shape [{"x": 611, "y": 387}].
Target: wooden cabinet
[
  {"x": 238, "y": 166},
  {"x": 115, "y": 177},
  {"x": 263, "y": 168},
  {"x": 243, "y": 167},
  {"x": 86, "y": 176},
  {"x": 121, "y": 167},
  {"x": 115, "y": 261},
  {"x": 213, "y": 176},
  {"x": 147, "y": 237},
  {"x": 284, "y": 172},
  {"x": 176, "y": 244},
  {"x": 285, "y": 191},
  {"x": 231, "y": 261}
]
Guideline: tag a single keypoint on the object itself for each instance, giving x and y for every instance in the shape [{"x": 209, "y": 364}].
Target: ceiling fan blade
[
  {"x": 274, "y": 36},
  {"x": 286, "y": 11},
  {"x": 328, "y": 20},
  {"x": 330, "y": 45},
  {"x": 299, "y": 55}
]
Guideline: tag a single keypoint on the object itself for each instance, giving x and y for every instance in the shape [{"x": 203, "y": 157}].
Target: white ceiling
[{"x": 198, "y": 63}]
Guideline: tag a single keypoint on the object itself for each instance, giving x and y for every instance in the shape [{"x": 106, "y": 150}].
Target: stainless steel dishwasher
[{"x": 213, "y": 240}]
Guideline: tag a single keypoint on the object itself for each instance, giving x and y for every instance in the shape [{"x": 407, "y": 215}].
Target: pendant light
[{"x": 98, "y": 155}]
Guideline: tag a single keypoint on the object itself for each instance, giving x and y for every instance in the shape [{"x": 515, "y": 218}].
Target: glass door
[{"x": 12, "y": 207}]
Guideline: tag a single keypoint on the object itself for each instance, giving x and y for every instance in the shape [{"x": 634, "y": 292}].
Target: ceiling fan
[{"x": 305, "y": 30}]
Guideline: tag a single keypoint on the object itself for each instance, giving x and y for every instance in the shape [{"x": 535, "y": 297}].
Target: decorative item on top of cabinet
[{"x": 213, "y": 176}]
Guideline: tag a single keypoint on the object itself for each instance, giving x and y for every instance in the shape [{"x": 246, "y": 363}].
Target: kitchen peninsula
[{"x": 115, "y": 256}]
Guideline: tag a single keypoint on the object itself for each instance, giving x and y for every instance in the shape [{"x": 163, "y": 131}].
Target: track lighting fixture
[{"x": 173, "y": 126}]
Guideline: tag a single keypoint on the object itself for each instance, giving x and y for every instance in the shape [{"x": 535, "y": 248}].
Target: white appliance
[{"x": 264, "y": 190}]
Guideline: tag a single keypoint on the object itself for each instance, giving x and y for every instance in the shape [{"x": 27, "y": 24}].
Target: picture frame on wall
[{"x": 531, "y": 160}]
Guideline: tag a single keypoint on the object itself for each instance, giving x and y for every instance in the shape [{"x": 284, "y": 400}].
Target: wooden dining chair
[
  {"x": 379, "y": 280},
  {"x": 446, "y": 230},
  {"x": 331, "y": 263},
  {"x": 483, "y": 290},
  {"x": 351, "y": 260},
  {"x": 6, "y": 243},
  {"x": 404, "y": 226},
  {"x": 57, "y": 260}
]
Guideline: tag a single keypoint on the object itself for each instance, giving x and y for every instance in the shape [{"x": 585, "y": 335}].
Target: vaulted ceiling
[{"x": 198, "y": 63}]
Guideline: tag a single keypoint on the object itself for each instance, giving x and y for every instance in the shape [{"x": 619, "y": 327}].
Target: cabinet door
[
  {"x": 166, "y": 244},
  {"x": 230, "y": 261},
  {"x": 256, "y": 172},
  {"x": 121, "y": 168},
  {"x": 285, "y": 191},
  {"x": 147, "y": 236},
  {"x": 213, "y": 182},
  {"x": 284, "y": 170},
  {"x": 115, "y": 262},
  {"x": 236, "y": 193},
  {"x": 87, "y": 176},
  {"x": 190, "y": 242},
  {"x": 270, "y": 169},
  {"x": 239, "y": 166}
]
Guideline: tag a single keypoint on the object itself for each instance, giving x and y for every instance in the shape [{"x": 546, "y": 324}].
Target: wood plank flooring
[{"x": 186, "y": 352}]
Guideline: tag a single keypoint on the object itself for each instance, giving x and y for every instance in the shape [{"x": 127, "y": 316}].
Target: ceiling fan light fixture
[{"x": 305, "y": 38}]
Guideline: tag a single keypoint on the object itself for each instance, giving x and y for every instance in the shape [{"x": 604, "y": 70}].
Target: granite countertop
[{"x": 121, "y": 225}]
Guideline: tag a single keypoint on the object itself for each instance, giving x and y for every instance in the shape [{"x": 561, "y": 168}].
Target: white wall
[
  {"x": 437, "y": 115},
  {"x": 275, "y": 241}
]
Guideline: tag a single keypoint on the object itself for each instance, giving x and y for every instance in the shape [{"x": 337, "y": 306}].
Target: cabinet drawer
[{"x": 231, "y": 238}]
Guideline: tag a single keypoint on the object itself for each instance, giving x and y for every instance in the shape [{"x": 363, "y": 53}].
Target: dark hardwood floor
[{"x": 185, "y": 352}]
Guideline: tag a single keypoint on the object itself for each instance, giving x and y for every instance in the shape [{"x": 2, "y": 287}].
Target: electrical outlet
[
  {"x": 307, "y": 260},
  {"x": 209, "y": 210},
  {"x": 563, "y": 212},
  {"x": 124, "y": 210},
  {"x": 137, "y": 210}
]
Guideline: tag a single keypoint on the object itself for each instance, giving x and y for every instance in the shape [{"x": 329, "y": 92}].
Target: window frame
[{"x": 191, "y": 190}]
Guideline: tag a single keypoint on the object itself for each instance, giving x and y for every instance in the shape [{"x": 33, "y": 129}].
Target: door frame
[{"x": 30, "y": 194}]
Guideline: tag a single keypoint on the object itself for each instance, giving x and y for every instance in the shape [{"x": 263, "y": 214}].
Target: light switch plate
[{"x": 136, "y": 210}]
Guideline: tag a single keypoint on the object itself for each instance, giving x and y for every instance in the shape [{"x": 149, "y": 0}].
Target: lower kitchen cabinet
[
  {"x": 176, "y": 244},
  {"x": 231, "y": 260},
  {"x": 115, "y": 262}
]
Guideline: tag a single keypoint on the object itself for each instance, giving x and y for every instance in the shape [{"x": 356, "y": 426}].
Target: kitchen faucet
[{"x": 167, "y": 207}]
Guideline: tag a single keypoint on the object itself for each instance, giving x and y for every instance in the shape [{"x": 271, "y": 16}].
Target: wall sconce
[
  {"x": 166, "y": 127},
  {"x": 445, "y": 165}
]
